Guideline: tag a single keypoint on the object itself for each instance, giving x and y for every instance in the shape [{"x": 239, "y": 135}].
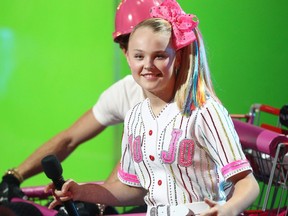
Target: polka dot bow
[{"x": 182, "y": 23}]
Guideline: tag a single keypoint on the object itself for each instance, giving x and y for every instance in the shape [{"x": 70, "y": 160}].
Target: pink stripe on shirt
[
  {"x": 235, "y": 167},
  {"x": 128, "y": 177}
]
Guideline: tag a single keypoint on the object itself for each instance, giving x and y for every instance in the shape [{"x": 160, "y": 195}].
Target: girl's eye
[
  {"x": 161, "y": 56},
  {"x": 137, "y": 56}
]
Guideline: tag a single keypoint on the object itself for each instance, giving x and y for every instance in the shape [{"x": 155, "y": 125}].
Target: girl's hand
[
  {"x": 67, "y": 192},
  {"x": 215, "y": 209}
]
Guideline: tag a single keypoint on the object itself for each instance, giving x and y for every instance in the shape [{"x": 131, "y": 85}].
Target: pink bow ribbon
[{"x": 182, "y": 23}]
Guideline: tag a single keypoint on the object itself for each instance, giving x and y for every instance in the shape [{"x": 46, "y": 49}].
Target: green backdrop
[{"x": 56, "y": 57}]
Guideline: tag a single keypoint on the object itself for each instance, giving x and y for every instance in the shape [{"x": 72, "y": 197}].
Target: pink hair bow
[{"x": 182, "y": 23}]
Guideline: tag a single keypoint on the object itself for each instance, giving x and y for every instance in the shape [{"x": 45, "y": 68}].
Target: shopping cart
[
  {"x": 268, "y": 117},
  {"x": 266, "y": 147}
]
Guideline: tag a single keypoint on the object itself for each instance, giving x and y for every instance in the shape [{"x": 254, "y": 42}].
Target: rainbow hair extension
[{"x": 196, "y": 90}]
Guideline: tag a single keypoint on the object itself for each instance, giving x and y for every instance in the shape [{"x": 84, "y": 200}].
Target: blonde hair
[
  {"x": 193, "y": 81},
  {"x": 156, "y": 24}
]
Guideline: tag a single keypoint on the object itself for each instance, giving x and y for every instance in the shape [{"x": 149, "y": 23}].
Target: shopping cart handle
[{"x": 258, "y": 138}]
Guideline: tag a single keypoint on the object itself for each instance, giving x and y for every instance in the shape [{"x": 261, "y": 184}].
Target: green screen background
[{"x": 56, "y": 57}]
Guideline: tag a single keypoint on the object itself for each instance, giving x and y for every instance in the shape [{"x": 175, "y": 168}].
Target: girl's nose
[
  {"x": 149, "y": 65},
  {"x": 149, "y": 68}
]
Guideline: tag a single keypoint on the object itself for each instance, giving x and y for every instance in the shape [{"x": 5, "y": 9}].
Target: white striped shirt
[{"x": 180, "y": 159}]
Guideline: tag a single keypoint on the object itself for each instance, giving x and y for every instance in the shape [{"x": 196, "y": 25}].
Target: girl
[{"x": 180, "y": 151}]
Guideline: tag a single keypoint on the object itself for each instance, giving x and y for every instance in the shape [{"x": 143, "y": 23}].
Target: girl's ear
[{"x": 127, "y": 58}]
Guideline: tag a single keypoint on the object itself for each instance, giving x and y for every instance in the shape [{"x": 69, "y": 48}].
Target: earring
[{"x": 177, "y": 70}]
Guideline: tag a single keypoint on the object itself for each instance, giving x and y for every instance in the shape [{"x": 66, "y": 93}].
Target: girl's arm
[
  {"x": 246, "y": 190},
  {"x": 114, "y": 194}
]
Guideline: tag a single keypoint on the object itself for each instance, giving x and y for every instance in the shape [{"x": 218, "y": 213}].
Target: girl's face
[{"x": 151, "y": 58}]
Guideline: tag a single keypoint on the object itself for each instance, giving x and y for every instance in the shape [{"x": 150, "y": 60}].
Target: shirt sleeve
[
  {"x": 114, "y": 102},
  {"x": 215, "y": 132}
]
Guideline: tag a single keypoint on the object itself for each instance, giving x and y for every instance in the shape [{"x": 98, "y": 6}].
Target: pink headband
[{"x": 182, "y": 23}]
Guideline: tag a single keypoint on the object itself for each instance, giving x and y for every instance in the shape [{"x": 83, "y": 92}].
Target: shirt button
[
  {"x": 151, "y": 157},
  {"x": 159, "y": 182},
  {"x": 150, "y": 132}
]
